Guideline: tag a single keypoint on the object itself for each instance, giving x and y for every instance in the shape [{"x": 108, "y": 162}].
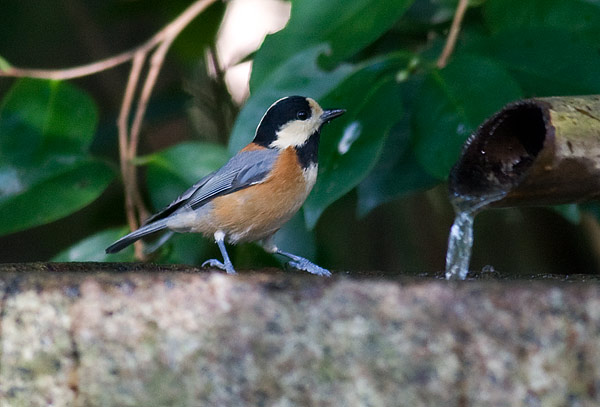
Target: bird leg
[
  {"x": 297, "y": 262},
  {"x": 228, "y": 266}
]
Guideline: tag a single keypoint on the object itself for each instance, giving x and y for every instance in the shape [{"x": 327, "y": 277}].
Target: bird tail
[{"x": 136, "y": 235}]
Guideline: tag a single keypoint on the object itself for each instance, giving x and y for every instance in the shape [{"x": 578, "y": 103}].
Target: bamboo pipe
[{"x": 541, "y": 151}]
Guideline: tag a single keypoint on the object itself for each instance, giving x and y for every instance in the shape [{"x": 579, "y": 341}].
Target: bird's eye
[{"x": 302, "y": 115}]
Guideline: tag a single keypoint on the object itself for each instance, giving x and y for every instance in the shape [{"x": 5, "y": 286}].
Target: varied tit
[{"x": 257, "y": 191}]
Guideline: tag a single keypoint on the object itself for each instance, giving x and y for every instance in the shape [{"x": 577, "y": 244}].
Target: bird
[{"x": 257, "y": 191}]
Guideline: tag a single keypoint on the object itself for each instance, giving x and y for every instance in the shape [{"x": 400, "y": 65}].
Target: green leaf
[
  {"x": 54, "y": 197},
  {"x": 92, "y": 248},
  {"x": 453, "y": 102},
  {"x": 45, "y": 120},
  {"x": 577, "y": 16},
  {"x": 392, "y": 180},
  {"x": 174, "y": 170},
  {"x": 397, "y": 172},
  {"x": 545, "y": 61},
  {"x": 350, "y": 149},
  {"x": 299, "y": 75},
  {"x": 46, "y": 128},
  {"x": 347, "y": 26}
]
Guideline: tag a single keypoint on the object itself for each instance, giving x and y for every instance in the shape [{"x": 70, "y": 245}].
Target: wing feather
[{"x": 241, "y": 171}]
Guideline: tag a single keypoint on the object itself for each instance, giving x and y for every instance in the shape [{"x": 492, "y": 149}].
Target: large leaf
[
  {"x": 299, "y": 75},
  {"x": 54, "y": 197},
  {"x": 397, "y": 172},
  {"x": 42, "y": 119},
  {"x": 545, "y": 61},
  {"x": 578, "y": 16},
  {"x": 174, "y": 170},
  {"x": 92, "y": 248},
  {"x": 453, "y": 102},
  {"x": 351, "y": 147},
  {"x": 46, "y": 128},
  {"x": 347, "y": 26}
]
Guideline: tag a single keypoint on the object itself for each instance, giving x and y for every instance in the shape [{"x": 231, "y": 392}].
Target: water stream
[{"x": 460, "y": 240}]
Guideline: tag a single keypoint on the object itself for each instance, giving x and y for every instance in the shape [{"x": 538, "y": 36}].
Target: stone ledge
[{"x": 143, "y": 335}]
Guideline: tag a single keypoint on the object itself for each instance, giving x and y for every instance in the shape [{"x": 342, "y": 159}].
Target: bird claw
[
  {"x": 312, "y": 268},
  {"x": 228, "y": 268}
]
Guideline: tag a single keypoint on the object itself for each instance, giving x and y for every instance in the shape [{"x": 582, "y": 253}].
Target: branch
[
  {"x": 126, "y": 165},
  {"x": 69, "y": 73},
  {"x": 169, "y": 31},
  {"x": 453, "y": 34},
  {"x": 136, "y": 203}
]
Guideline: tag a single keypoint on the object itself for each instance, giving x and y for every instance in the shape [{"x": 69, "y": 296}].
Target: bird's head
[{"x": 292, "y": 122}]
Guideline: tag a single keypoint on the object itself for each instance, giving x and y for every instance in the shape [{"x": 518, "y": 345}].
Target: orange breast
[{"x": 258, "y": 211}]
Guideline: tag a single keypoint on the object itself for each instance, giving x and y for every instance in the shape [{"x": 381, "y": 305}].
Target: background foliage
[{"x": 380, "y": 199}]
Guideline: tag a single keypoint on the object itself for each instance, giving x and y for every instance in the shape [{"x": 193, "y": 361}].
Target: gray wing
[{"x": 244, "y": 169}]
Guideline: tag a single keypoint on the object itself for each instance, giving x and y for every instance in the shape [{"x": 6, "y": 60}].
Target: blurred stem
[
  {"x": 461, "y": 8},
  {"x": 132, "y": 191},
  {"x": 158, "y": 45},
  {"x": 127, "y": 167},
  {"x": 223, "y": 125}
]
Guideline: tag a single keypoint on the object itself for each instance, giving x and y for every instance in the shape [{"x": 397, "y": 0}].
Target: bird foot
[
  {"x": 227, "y": 267},
  {"x": 303, "y": 264}
]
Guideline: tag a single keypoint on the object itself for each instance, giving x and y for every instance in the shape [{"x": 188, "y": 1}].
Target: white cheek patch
[{"x": 296, "y": 133}]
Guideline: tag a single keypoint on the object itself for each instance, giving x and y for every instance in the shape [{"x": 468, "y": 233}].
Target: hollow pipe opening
[
  {"x": 499, "y": 153},
  {"x": 542, "y": 151}
]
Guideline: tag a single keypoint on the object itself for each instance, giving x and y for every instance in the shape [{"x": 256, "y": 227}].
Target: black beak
[{"x": 330, "y": 114}]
